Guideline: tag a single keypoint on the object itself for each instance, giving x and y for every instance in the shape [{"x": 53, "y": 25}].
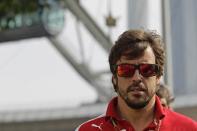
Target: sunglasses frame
[{"x": 137, "y": 67}]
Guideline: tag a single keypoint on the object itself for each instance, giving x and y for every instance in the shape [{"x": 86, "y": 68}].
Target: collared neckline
[{"x": 112, "y": 109}]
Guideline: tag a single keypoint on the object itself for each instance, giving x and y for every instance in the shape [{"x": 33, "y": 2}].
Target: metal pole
[{"x": 166, "y": 29}]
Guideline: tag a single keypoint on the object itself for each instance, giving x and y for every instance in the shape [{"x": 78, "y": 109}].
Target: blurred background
[{"x": 54, "y": 71}]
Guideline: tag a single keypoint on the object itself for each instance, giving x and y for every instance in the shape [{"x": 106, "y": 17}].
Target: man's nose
[{"x": 137, "y": 75}]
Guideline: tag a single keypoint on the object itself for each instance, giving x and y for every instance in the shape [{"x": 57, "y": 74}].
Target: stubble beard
[
  {"x": 135, "y": 105},
  {"x": 132, "y": 104}
]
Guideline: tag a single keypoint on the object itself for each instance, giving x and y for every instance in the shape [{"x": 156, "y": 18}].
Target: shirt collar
[
  {"x": 112, "y": 109},
  {"x": 160, "y": 111}
]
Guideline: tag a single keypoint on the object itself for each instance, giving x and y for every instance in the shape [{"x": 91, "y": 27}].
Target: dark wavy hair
[
  {"x": 164, "y": 92},
  {"x": 132, "y": 44}
]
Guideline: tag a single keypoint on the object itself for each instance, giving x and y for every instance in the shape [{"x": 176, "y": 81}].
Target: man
[
  {"x": 165, "y": 96},
  {"x": 137, "y": 62}
]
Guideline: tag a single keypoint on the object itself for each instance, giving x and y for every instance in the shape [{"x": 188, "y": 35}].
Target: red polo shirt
[{"x": 165, "y": 120}]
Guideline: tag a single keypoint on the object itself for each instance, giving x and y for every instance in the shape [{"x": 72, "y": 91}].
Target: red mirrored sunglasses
[{"x": 128, "y": 70}]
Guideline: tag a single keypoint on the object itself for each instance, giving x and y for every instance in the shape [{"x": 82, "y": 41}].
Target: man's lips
[
  {"x": 135, "y": 89},
  {"x": 137, "y": 92}
]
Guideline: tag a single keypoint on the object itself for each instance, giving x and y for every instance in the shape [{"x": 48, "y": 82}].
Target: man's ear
[
  {"x": 158, "y": 80},
  {"x": 113, "y": 80}
]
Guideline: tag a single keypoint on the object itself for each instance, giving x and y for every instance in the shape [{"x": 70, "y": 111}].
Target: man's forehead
[
  {"x": 136, "y": 60},
  {"x": 147, "y": 57}
]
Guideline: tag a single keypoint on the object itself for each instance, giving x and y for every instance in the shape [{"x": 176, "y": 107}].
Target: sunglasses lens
[
  {"x": 125, "y": 70},
  {"x": 148, "y": 70},
  {"x": 128, "y": 70}
]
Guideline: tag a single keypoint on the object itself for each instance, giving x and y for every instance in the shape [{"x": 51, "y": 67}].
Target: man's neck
[{"x": 139, "y": 118}]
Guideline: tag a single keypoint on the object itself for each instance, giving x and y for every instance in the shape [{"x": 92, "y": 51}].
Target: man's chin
[{"x": 136, "y": 105}]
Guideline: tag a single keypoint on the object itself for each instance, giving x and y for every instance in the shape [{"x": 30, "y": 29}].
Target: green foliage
[
  {"x": 22, "y": 13},
  {"x": 13, "y": 7}
]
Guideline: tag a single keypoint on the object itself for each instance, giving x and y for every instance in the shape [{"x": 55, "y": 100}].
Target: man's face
[{"x": 137, "y": 90}]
